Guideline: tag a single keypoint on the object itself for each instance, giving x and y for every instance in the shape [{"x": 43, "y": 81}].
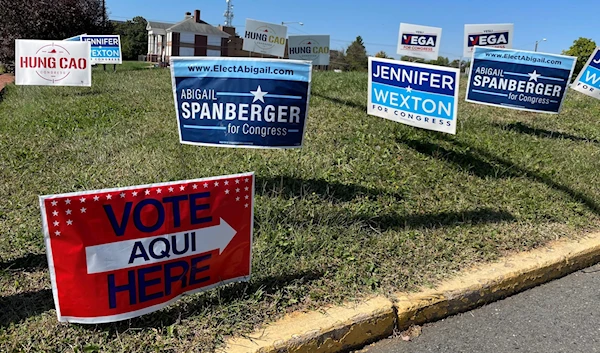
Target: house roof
[
  {"x": 190, "y": 25},
  {"x": 158, "y": 25}
]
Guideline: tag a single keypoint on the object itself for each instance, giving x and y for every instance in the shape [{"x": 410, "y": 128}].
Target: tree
[
  {"x": 382, "y": 55},
  {"x": 356, "y": 54},
  {"x": 48, "y": 19},
  {"x": 337, "y": 60},
  {"x": 134, "y": 37},
  {"x": 582, "y": 48},
  {"x": 440, "y": 61},
  {"x": 412, "y": 59}
]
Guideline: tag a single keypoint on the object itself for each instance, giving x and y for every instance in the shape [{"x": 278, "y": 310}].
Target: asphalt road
[{"x": 560, "y": 316}]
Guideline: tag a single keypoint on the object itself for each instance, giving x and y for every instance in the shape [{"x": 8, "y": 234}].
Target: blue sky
[{"x": 377, "y": 21}]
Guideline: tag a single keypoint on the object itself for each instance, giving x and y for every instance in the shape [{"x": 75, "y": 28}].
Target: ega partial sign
[
  {"x": 52, "y": 63},
  {"x": 106, "y": 49},
  {"x": 588, "y": 81},
  {"x": 419, "y": 41},
  {"x": 491, "y": 35},
  {"x": 265, "y": 38},
  {"x": 119, "y": 253},
  {"x": 241, "y": 102},
  {"x": 309, "y": 47},
  {"x": 419, "y": 95},
  {"x": 521, "y": 80}
]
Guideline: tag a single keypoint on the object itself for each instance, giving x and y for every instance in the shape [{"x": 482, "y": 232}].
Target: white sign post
[
  {"x": 419, "y": 41},
  {"x": 492, "y": 35},
  {"x": 265, "y": 38},
  {"x": 52, "y": 63},
  {"x": 311, "y": 48}
]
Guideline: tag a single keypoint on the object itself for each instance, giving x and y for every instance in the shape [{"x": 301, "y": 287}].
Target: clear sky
[{"x": 377, "y": 21}]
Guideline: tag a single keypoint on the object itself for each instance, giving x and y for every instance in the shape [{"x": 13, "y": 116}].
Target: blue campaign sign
[
  {"x": 241, "y": 102},
  {"x": 106, "y": 49},
  {"x": 588, "y": 81},
  {"x": 419, "y": 95},
  {"x": 520, "y": 80},
  {"x": 75, "y": 39}
]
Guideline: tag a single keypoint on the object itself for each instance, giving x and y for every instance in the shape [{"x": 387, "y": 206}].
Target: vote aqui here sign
[
  {"x": 588, "y": 81},
  {"x": 521, "y": 80},
  {"x": 241, "y": 102},
  {"x": 419, "y": 95},
  {"x": 115, "y": 254}
]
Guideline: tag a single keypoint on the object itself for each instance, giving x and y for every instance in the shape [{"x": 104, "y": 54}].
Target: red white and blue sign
[
  {"x": 241, "y": 102},
  {"x": 521, "y": 80},
  {"x": 588, "y": 81},
  {"x": 106, "y": 49},
  {"x": 419, "y": 95},
  {"x": 119, "y": 253}
]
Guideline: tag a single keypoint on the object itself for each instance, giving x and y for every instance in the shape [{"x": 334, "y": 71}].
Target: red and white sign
[
  {"x": 119, "y": 253},
  {"x": 52, "y": 63}
]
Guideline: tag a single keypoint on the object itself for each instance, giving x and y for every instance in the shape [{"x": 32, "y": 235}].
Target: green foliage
[
  {"x": 382, "y": 55},
  {"x": 582, "y": 48},
  {"x": 337, "y": 60},
  {"x": 134, "y": 37},
  {"x": 356, "y": 55}
]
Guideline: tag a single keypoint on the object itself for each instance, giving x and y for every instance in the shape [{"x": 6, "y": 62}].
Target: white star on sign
[
  {"x": 246, "y": 188},
  {"x": 82, "y": 200},
  {"x": 205, "y": 185},
  {"x": 534, "y": 76},
  {"x": 57, "y": 233},
  {"x": 147, "y": 192},
  {"x": 109, "y": 197},
  {"x": 69, "y": 212},
  {"x": 259, "y": 95},
  {"x": 134, "y": 193},
  {"x": 237, "y": 190},
  {"x": 96, "y": 198},
  {"x": 216, "y": 183},
  {"x": 195, "y": 186},
  {"x": 237, "y": 198},
  {"x": 171, "y": 189},
  {"x": 83, "y": 209},
  {"x": 409, "y": 89},
  {"x": 54, "y": 203},
  {"x": 237, "y": 181},
  {"x": 227, "y": 192},
  {"x": 226, "y": 182},
  {"x": 246, "y": 180},
  {"x": 69, "y": 222},
  {"x": 122, "y": 195},
  {"x": 181, "y": 188},
  {"x": 67, "y": 202},
  {"x": 55, "y": 213},
  {"x": 246, "y": 205},
  {"x": 158, "y": 191},
  {"x": 246, "y": 197},
  {"x": 56, "y": 223}
]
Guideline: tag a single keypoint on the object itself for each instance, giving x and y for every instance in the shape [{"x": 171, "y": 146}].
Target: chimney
[
  {"x": 188, "y": 15},
  {"x": 197, "y": 16}
]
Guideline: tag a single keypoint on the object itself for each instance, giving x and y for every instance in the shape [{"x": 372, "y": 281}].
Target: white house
[{"x": 190, "y": 37}]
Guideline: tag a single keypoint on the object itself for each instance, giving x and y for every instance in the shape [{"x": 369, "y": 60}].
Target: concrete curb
[{"x": 338, "y": 329}]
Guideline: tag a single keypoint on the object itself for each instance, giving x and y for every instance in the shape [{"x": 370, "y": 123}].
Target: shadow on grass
[
  {"x": 528, "y": 130},
  {"x": 437, "y": 220},
  {"x": 29, "y": 262},
  {"x": 362, "y": 107},
  {"x": 290, "y": 187},
  {"x": 19, "y": 307},
  {"x": 483, "y": 164}
]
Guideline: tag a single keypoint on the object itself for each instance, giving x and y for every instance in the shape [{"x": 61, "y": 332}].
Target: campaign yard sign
[
  {"x": 241, "y": 102},
  {"x": 106, "y": 49},
  {"x": 419, "y": 95},
  {"x": 265, "y": 38},
  {"x": 489, "y": 35},
  {"x": 115, "y": 254},
  {"x": 419, "y": 41},
  {"x": 75, "y": 38},
  {"x": 52, "y": 63},
  {"x": 311, "y": 48},
  {"x": 588, "y": 81},
  {"x": 521, "y": 80}
]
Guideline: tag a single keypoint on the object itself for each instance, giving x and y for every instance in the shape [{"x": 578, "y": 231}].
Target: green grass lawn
[{"x": 367, "y": 206}]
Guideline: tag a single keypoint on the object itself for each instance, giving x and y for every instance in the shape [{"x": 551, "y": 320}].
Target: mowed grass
[{"x": 366, "y": 206}]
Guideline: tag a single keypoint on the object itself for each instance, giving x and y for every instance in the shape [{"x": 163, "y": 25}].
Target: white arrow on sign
[{"x": 145, "y": 251}]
